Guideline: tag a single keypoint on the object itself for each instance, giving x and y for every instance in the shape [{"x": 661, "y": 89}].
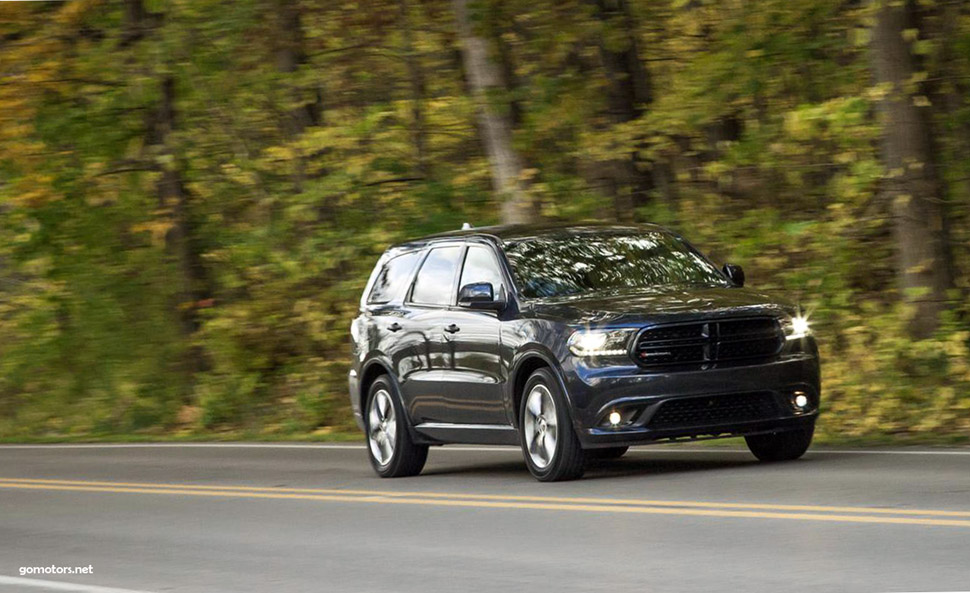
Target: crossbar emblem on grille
[{"x": 709, "y": 342}]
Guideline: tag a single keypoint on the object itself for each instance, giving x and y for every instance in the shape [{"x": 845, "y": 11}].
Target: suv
[{"x": 573, "y": 343}]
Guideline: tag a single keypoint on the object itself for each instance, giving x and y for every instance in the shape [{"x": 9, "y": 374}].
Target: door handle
[
  {"x": 395, "y": 327},
  {"x": 451, "y": 329}
]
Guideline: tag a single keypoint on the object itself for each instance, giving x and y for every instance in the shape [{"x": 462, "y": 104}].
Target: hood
[{"x": 654, "y": 306}]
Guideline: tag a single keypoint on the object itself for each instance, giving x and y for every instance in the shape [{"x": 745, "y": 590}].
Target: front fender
[{"x": 522, "y": 362}]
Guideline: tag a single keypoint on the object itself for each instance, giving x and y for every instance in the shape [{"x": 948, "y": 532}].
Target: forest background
[{"x": 193, "y": 192}]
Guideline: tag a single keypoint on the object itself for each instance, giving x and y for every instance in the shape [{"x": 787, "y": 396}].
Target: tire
[
  {"x": 606, "y": 453},
  {"x": 551, "y": 449},
  {"x": 392, "y": 452},
  {"x": 781, "y": 446}
]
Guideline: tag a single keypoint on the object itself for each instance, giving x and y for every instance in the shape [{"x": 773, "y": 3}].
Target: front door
[{"x": 474, "y": 377}]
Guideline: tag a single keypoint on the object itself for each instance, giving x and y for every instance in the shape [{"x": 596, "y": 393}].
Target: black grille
[
  {"x": 713, "y": 410},
  {"x": 708, "y": 342}
]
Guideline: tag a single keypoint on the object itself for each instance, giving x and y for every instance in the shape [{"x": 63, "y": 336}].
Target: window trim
[{"x": 408, "y": 298}]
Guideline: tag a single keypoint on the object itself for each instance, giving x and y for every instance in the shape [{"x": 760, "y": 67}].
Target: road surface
[{"x": 295, "y": 518}]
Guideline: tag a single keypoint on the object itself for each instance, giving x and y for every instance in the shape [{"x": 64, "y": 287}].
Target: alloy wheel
[
  {"x": 382, "y": 427},
  {"x": 541, "y": 426}
]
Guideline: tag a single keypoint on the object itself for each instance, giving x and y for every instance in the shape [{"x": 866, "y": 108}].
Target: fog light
[
  {"x": 614, "y": 418},
  {"x": 800, "y": 400}
]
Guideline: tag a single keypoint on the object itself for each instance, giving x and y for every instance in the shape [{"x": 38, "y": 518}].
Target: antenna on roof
[{"x": 466, "y": 227}]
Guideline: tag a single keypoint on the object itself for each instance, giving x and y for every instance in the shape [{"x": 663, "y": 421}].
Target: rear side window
[
  {"x": 433, "y": 284},
  {"x": 393, "y": 278}
]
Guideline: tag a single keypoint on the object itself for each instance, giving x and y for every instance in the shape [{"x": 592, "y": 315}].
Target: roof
[{"x": 512, "y": 232}]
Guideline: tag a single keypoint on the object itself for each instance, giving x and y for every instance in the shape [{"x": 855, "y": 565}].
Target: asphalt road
[{"x": 280, "y": 518}]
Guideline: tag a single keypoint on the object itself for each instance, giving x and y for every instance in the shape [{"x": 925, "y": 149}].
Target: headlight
[
  {"x": 595, "y": 342},
  {"x": 796, "y": 327}
]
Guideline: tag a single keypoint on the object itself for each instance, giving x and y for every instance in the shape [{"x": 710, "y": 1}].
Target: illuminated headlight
[
  {"x": 599, "y": 342},
  {"x": 796, "y": 327}
]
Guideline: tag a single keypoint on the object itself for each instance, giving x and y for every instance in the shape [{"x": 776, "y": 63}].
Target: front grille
[
  {"x": 707, "y": 342},
  {"x": 713, "y": 410}
]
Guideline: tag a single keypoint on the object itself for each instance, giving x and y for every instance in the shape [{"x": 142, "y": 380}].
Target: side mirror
[
  {"x": 734, "y": 273},
  {"x": 479, "y": 295}
]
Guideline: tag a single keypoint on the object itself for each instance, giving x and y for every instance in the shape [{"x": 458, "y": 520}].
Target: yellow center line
[
  {"x": 506, "y": 498},
  {"x": 385, "y": 498}
]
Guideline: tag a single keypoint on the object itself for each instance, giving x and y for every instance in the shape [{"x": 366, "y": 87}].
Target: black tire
[
  {"x": 781, "y": 446},
  {"x": 407, "y": 458},
  {"x": 606, "y": 453},
  {"x": 567, "y": 459}
]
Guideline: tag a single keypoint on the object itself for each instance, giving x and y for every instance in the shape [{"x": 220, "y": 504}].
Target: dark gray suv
[{"x": 574, "y": 343}]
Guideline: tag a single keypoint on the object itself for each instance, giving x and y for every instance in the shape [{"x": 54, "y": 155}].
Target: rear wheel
[
  {"x": 606, "y": 453},
  {"x": 549, "y": 445},
  {"x": 389, "y": 445},
  {"x": 781, "y": 446}
]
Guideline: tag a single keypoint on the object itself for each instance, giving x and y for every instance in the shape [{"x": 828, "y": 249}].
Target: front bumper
[
  {"x": 625, "y": 437},
  {"x": 708, "y": 403}
]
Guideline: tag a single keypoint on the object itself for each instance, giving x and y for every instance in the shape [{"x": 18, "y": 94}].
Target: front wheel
[
  {"x": 389, "y": 445},
  {"x": 550, "y": 447},
  {"x": 781, "y": 446}
]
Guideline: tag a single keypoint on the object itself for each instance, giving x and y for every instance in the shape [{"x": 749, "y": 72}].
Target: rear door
[
  {"x": 390, "y": 330},
  {"x": 423, "y": 363}
]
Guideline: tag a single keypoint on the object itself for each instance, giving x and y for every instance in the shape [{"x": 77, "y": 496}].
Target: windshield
[{"x": 564, "y": 265}]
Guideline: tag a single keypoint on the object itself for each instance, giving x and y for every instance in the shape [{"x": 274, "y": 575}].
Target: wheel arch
[
  {"x": 523, "y": 368},
  {"x": 371, "y": 371}
]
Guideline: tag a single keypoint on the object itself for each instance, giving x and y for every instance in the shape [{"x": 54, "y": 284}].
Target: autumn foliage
[{"x": 192, "y": 193}]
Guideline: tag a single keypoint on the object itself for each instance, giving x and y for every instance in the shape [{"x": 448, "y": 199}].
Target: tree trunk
[
  {"x": 484, "y": 75},
  {"x": 497, "y": 24},
  {"x": 629, "y": 89},
  {"x": 172, "y": 194},
  {"x": 912, "y": 184},
  {"x": 290, "y": 55},
  {"x": 134, "y": 21},
  {"x": 629, "y": 83},
  {"x": 941, "y": 21},
  {"x": 180, "y": 240},
  {"x": 416, "y": 79}
]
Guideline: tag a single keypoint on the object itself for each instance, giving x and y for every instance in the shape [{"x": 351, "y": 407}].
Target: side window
[
  {"x": 481, "y": 266},
  {"x": 433, "y": 284},
  {"x": 393, "y": 278}
]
